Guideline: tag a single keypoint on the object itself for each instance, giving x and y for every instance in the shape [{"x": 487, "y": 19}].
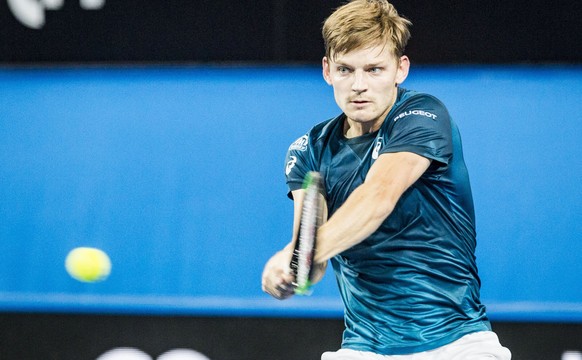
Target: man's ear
[
  {"x": 402, "y": 71},
  {"x": 326, "y": 70}
]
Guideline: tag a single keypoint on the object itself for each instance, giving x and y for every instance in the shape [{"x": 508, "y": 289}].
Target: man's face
[{"x": 364, "y": 84}]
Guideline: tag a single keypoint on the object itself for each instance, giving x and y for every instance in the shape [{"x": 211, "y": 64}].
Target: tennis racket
[{"x": 310, "y": 220}]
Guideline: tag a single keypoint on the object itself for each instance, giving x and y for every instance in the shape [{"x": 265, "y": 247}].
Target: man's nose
[{"x": 360, "y": 84}]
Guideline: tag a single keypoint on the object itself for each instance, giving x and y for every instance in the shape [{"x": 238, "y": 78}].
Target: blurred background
[{"x": 156, "y": 131}]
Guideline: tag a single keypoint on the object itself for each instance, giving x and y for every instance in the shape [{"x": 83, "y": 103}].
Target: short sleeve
[
  {"x": 422, "y": 126},
  {"x": 298, "y": 163}
]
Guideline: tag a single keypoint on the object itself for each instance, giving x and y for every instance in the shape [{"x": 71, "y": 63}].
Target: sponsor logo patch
[
  {"x": 377, "y": 148},
  {"x": 290, "y": 164},
  {"x": 415, "y": 112},
  {"x": 300, "y": 144}
]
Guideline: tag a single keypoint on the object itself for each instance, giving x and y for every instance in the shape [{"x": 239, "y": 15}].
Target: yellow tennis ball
[{"x": 88, "y": 264}]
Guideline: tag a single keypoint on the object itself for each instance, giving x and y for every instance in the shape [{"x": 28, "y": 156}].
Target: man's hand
[{"x": 277, "y": 278}]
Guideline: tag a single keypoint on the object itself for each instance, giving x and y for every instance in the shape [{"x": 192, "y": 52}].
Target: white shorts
[{"x": 483, "y": 345}]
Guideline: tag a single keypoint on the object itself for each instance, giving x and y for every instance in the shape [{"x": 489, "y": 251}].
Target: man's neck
[{"x": 354, "y": 129}]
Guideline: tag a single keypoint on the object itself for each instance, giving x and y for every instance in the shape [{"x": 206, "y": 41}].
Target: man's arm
[
  {"x": 370, "y": 203},
  {"x": 277, "y": 278}
]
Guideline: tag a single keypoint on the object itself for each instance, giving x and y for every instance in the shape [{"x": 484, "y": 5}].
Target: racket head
[{"x": 305, "y": 245}]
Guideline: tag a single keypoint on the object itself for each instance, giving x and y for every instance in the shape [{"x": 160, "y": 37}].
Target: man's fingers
[{"x": 278, "y": 289}]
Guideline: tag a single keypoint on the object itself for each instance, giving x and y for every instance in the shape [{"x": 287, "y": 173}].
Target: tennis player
[{"x": 401, "y": 229}]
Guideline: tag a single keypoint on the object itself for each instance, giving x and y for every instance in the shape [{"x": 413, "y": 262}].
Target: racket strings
[{"x": 308, "y": 228}]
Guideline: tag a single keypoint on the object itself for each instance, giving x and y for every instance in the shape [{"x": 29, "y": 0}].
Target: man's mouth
[{"x": 359, "y": 102}]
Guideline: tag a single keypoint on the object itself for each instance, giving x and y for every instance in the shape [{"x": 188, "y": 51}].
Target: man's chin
[{"x": 360, "y": 118}]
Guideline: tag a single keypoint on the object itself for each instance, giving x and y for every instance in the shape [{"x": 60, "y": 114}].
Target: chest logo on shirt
[
  {"x": 300, "y": 144},
  {"x": 290, "y": 164},
  {"x": 377, "y": 147}
]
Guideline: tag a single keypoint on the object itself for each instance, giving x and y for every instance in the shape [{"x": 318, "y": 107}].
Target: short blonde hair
[{"x": 362, "y": 23}]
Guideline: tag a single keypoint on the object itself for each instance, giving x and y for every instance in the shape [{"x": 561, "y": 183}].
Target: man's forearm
[{"x": 361, "y": 215}]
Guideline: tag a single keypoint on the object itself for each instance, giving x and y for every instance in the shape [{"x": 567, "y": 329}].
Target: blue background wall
[{"x": 177, "y": 173}]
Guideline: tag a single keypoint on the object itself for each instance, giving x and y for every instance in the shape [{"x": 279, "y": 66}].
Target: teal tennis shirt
[{"x": 412, "y": 285}]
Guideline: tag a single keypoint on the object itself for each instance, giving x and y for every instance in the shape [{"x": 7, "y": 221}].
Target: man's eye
[{"x": 343, "y": 69}]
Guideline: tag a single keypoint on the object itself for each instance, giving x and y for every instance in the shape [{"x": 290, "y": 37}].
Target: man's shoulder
[
  {"x": 324, "y": 129},
  {"x": 326, "y": 126},
  {"x": 411, "y": 102},
  {"x": 408, "y": 97},
  {"x": 315, "y": 134}
]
